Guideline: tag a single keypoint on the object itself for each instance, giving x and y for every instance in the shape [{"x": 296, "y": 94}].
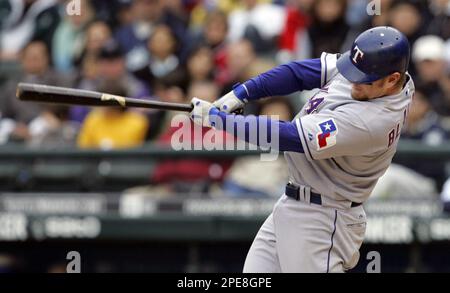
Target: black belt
[{"x": 294, "y": 192}]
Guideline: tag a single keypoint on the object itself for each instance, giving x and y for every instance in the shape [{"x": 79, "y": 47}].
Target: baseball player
[{"x": 336, "y": 148}]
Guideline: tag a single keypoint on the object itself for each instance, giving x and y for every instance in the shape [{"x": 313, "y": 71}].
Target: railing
[
  {"x": 406, "y": 148},
  {"x": 29, "y": 169}
]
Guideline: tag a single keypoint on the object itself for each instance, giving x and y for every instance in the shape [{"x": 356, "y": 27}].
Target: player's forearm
[
  {"x": 267, "y": 130},
  {"x": 282, "y": 80}
]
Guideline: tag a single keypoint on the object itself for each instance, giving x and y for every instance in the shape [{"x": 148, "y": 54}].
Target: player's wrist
[
  {"x": 214, "y": 117},
  {"x": 241, "y": 92}
]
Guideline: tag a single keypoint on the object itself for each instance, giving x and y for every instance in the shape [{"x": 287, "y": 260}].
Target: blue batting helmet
[{"x": 375, "y": 54}]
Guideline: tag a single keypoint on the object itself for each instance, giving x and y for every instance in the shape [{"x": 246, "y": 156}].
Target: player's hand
[
  {"x": 229, "y": 103},
  {"x": 200, "y": 113}
]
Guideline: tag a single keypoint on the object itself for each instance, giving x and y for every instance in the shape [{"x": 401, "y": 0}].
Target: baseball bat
[{"x": 69, "y": 96}]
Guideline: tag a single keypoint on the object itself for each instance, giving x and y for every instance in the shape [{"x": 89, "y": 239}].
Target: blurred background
[{"x": 106, "y": 182}]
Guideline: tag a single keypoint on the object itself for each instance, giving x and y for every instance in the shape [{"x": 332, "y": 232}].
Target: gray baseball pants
[{"x": 303, "y": 237}]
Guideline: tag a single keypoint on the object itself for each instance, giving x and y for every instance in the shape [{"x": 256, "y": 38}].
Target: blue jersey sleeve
[
  {"x": 286, "y": 132},
  {"x": 282, "y": 80}
]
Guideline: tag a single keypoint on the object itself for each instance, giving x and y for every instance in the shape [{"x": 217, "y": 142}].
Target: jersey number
[{"x": 313, "y": 104}]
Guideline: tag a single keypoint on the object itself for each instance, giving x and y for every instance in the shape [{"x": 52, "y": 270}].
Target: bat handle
[{"x": 239, "y": 111}]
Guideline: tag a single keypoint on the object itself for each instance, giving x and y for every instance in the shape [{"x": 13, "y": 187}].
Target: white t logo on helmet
[{"x": 358, "y": 54}]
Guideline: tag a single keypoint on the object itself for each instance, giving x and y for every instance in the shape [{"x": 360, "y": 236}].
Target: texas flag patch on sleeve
[{"x": 327, "y": 135}]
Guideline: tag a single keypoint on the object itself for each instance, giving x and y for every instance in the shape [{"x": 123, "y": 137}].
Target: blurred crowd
[{"x": 173, "y": 50}]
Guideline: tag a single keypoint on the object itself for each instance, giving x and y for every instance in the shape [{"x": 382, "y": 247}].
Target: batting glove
[
  {"x": 202, "y": 112},
  {"x": 231, "y": 103}
]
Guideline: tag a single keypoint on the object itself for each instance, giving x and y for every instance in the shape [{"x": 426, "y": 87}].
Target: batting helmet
[{"x": 375, "y": 54}]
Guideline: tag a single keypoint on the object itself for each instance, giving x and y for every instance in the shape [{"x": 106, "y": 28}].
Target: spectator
[
  {"x": 7, "y": 126},
  {"x": 243, "y": 64},
  {"x": 24, "y": 21},
  {"x": 425, "y": 125},
  {"x": 423, "y": 122},
  {"x": 215, "y": 30},
  {"x": 201, "y": 10},
  {"x": 133, "y": 38},
  {"x": 108, "y": 10},
  {"x": 357, "y": 12},
  {"x": 112, "y": 69},
  {"x": 53, "y": 129},
  {"x": 176, "y": 8},
  {"x": 67, "y": 43},
  {"x": 240, "y": 56},
  {"x": 113, "y": 127},
  {"x": 167, "y": 90},
  {"x": 176, "y": 17},
  {"x": 402, "y": 182},
  {"x": 328, "y": 30},
  {"x": 200, "y": 64},
  {"x": 428, "y": 55},
  {"x": 205, "y": 89},
  {"x": 107, "y": 67},
  {"x": 97, "y": 35},
  {"x": 440, "y": 25},
  {"x": 163, "y": 62},
  {"x": 294, "y": 43},
  {"x": 124, "y": 16},
  {"x": 382, "y": 18},
  {"x": 251, "y": 23},
  {"x": 192, "y": 175},
  {"x": 406, "y": 16},
  {"x": 214, "y": 35},
  {"x": 412, "y": 24},
  {"x": 251, "y": 176},
  {"x": 410, "y": 17},
  {"x": 87, "y": 79},
  {"x": 35, "y": 69}
]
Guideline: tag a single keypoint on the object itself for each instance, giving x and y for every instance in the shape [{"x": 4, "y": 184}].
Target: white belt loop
[
  {"x": 301, "y": 193},
  {"x": 307, "y": 191}
]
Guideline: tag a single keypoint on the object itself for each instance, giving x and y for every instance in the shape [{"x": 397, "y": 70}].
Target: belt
[{"x": 293, "y": 191}]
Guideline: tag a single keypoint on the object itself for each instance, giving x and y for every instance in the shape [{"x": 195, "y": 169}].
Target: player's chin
[{"x": 358, "y": 95}]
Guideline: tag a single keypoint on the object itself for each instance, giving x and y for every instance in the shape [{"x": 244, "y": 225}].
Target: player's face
[
  {"x": 364, "y": 92},
  {"x": 379, "y": 88}
]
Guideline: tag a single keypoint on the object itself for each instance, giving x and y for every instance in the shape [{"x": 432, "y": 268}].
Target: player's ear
[{"x": 393, "y": 79}]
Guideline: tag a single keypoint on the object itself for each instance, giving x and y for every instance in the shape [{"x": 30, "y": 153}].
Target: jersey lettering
[{"x": 394, "y": 134}]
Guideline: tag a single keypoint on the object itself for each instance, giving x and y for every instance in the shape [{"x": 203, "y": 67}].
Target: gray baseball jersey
[{"x": 348, "y": 144}]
